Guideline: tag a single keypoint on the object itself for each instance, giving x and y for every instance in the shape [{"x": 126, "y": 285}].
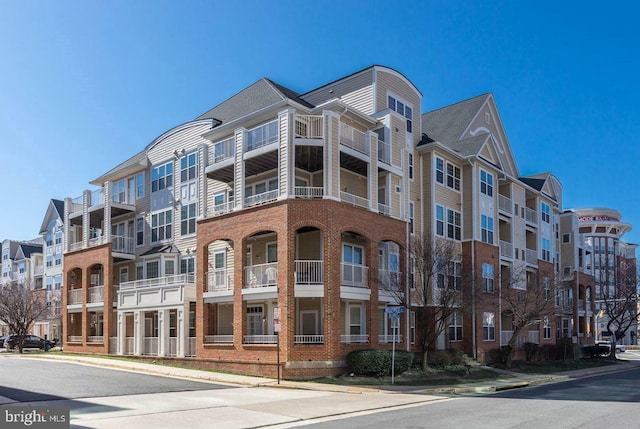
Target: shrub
[
  {"x": 377, "y": 363},
  {"x": 442, "y": 358},
  {"x": 594, "y": 351},
  {"x": 530, "y": 351}
]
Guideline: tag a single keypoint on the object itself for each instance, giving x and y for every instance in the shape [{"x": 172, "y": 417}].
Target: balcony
[
  {"x": 388, "y": 339},
  {"x": 354, "y": 339},
  {"x": 157, "y": 292},
  {"x": 75, "y": 297},
  {"x": 260, "y": 339},
  {"x": 218, "y": 339},
  {"x": 384, "y": 152},
  {"x": 219, "y": 287},
  {"x": 354, "y": 275},
  {"x": 177, "y": 279},
  {"x": 353, "y": 138},
  {"x": 38, "y": 270},
  {"x": 505, "y": 205},
  {"x": 506, "y": 249},
  {"x": 223, "y": 151},
  {"x": 354, "y": 200},
  {"x": 384, "y": 209},
  {"x": 222, "y": 208},
  {"x": 261, "y": 198},
  {"x": 531, "y": 216},
  {"x": 261, "y": 276},
  {"x": 96, "y": 294},
  {"x": 308, "y": 127},
  {"x": 308, "y": 339},
  {"x": 309, "y": 278},
  {"x": 122, "y": 245},
  {"x": 308, "y": 192},
  {"x": 531, "y": 256}
]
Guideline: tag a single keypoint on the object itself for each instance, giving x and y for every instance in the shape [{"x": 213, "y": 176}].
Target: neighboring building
[
  {"x": 268, "y": 224},
  {"x": 613, "y": 261},
  {"x": 52, "y": 232}
]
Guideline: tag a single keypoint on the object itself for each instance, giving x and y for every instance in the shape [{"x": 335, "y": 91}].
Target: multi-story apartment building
[
  {"x": 52, "y": 234},
  {"x": 262, "y": 231},
  {"x": 612, "y": 261}
]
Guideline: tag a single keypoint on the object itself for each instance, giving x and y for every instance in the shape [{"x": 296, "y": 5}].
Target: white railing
[
  {"x": 309, "y": 127},
  {"x": 223, "y": 208},
  {"x": 504, "y": 204},
  {"x": 96, "y": 241},
  {"x": 97, "y": 197},
  {"x": 75, "y": 246},
  {"x": 384, "y": 152},
  {"x": 354, "y": 339},
  {"x": 534, "y": 337},
  {"x": 531, "y": 216},
  {"x": 261, "y": 198},
  {"x": 384, "y": 209},
  {"x": 531, "y": 256},
  {"x": 261, "y": 275},
  {"x": 390, "y": 280},
  {"x": 223, "y": 150},
  {"x": 308, "y": 192},
  {"x": 354, "y": 275},
  {"x": 75, "y": 296},
  {"x": 308, "y": 339},
  {"x": 260, "y": 339},
  {"x": 353, "y": 138},
  {"x": 128, "y": 346},
  {"x": 77, "y": 203},
  {"x": 95, "y": 339},
  {"x": 113, "y": 345},
  {"x": 159, "y": 281},
  {"x": 75, "y": 338},
  {"x": 123, "y": 196},
  {"x": 262, "y": 136},
  {"x": 191, "y": 347},
  {"x": 122, "y": 244},
  {"x": 218, "y": 339},
  {"x": 309, "y": 272},
  {"x": 173, "y": 346},
  {"x": 354, "y": 200},
  {"x": 150, "y": 346},
  {"x": 505, "y": 336},
  {"x": 39, "y": 269},
  {"x": 96, "y": 294},
  {"x": 220, "y": 280},
  {"x": 506, "y": 249},
  {"x": 388, "y": 338}
]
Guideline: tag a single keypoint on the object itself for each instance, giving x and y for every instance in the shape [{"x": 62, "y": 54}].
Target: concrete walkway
[{"x": 516, "y": 380}]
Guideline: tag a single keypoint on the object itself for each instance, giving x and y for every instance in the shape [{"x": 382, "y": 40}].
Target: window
[
  {"x": 395, "y": 104},
  {"x": 455, "y": 326},
  {"x": 188, "y": 265},
  {"x": 487, "y": 278},
  {"x": 453, "y": 177},
  {"x": 545, "y": 212},
  {"x": 546, "y": 328},
  {"x": 546, "y": 285},
  {"x": 140, "y": 185},
  {"x": 169, "y": 267},
  {"x": 189, "y": 167},
  {"x": 411, "y": 217},
  {"x": 546, "y": 249},
  {"x": 355, "y": 324},
  {"x": 255, "y": 322},
  {"x": 486, "y": 183},
  {"x": 153, "y": 269},
  {"x": 412, "y": 326},
  {"x": 440, "y": 170},
  {"x": 454, "y": 278},
  {"x": 411, "y": 166},
  {"x": 440, "y": 221},
  {"x": 161, "y": 226},
  {"x": 566, "y": 238},
  {"x": 140, "y": 231},
  {"x": 488, "y": 326},
  {"x": 262, "y": 135},
  {"x": 454, "y": 223},
  {"x": 162, "y": 177},
  {"x": 188, "y": 219},
  {"x": 487, "y": 229}
]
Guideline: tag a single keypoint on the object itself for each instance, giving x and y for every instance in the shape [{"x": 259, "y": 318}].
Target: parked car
[
  {"x": 30, "y": 342},
  {"x": 619, "y": 347}
]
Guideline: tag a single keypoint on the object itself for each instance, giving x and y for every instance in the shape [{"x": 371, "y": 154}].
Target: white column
[
  {"x": 163, "y": 332},
  {"x": 183, "y": 331},
  {"x": 138, "y": 333},
  {"x": 121, "y": 333}
]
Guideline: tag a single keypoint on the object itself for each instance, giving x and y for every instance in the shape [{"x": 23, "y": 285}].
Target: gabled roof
[
  {"x": 545, "y": 183},
  {"x": 448, "y": 124},
  {"x": 261, "y": 94},
  {"x": 471, "y": 146},
  {"x": 27, "y": 250},
  {"x": 166, "y": 248},
  {"x": 55, "y": 210}
]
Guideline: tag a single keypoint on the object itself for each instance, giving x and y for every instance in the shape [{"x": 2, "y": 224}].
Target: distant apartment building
[{"x": 264, "y": 230}]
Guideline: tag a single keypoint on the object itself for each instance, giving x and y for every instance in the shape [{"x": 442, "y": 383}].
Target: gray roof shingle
[{"x": 447, "y": 124}]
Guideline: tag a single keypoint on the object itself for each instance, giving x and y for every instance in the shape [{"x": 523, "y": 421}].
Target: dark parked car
[{"x": 30, "y": 342}]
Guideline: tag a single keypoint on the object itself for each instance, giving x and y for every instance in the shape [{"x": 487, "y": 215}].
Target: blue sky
[{"x": 84, "y": 85}]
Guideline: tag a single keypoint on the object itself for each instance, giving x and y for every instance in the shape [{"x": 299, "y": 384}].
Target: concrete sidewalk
[{"x": 516, "y": 380}]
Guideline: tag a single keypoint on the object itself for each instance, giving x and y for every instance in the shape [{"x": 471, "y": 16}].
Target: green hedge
[{"x": 377, "y": 363}]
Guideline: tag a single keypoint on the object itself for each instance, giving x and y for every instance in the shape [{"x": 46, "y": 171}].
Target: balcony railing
[
  {"x": 505, "y": 204},
  {"x": 262, "y": 275},
  {"x": 150, "y": 346},
  {"x": 220, "y": 280},
  {"x": 75, "y": 246},
  {"x": 261, "y": 198},
  {"x": 531, "y": 256},
  {"x": 531, "y": 216},
  {"x": 95, "y": 339},
  {"x": 384, "y": 152},
  {"x": 353, "y": 138},
  {"x": 389, "y": 338},
  {"x": 354, "y": 339},
  {"x": 96, "y": 294},
  {"x": 354, "y": 200},
  {"x": 390, "y": 280},
  {"x": 39, "y": 269},
  {"x": 534, "y": 337},
  {"x": 122, "y": 244},
  {"x": 128, "y": 345},
  {"x": 191, "y": 347},
  {"x": 309, "y": 272},
  {"x": 354, "y": 275},
  {"x": 113, "y": 345},
  {"x": 77, "y": 204},
  {"x": 223, "y": 208},
  {"x": 384, "y": 209},
  {"x": 74, "y": 338},
  {"x": 218, "y": 339},
  {"x": 308, "y": 192},
  {"x": 506, "y": 249},
  {"x": 309, "y": 126},
  {"x": 97, "y": 241},
  {"x": 308, "y": 339},
  {"x": 159, "y": 281},
  {"x": 260, "y": 339},
  {"x": 97, "y": 197},
  {"x": 75, "y": 296},
  {"x": 223, "y": 150}
]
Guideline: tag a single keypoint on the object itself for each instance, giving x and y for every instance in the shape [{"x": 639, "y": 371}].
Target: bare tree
[
  {"x": 620, "y": 303},
  {"x": 436, "y": 294},
  {"x": 20, "y": 306},
  {"x": 528, "y": 297}
]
